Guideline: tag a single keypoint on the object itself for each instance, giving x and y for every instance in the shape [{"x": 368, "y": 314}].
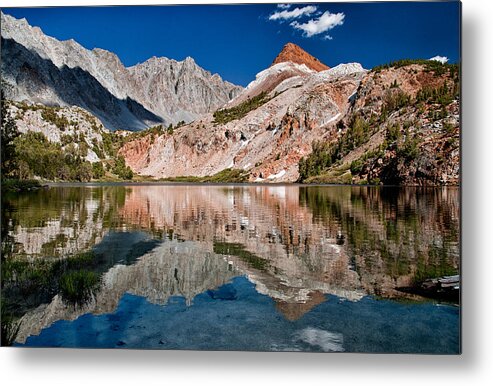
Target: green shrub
[
  {"x": 409, "y": 150},
  {"x": 108, "y": 144},
  {"x": 121, "y": 170},
  {"x": 224, "y": 176},
  {"x": 83, "y": 149},
  {"x": 97, "y": 170},
  {"x": 84, "y": 172},
  {"x": 97, "y": 149},
  {"x": 321, "y": 158},
  {"x": 237, "y": 112},
  {"x": 324, "y": 154},
  {"x": 49, "y": 114},
  {"x": 394, "y": 100},
  {"x": 42, "y": 157},
  {"x": 76, "y": 278},
  {"x": 451, "y": 142},
  {"x": 374, "y": 181},
  {"x": 36, "y": 156},
  {"x": 228, "y": 175},
  {"x": 442, "y": 95},
  {"x": 356, "y": 166},
  {"x": 430, "y": 65},
  {"x": 9, "y": 134},
  {"x": 393, "y": 132},
  {"x": 66, "y": 139}
]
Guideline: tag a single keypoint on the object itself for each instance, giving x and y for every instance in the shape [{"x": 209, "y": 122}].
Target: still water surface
[{"x": 275, "y": 268}]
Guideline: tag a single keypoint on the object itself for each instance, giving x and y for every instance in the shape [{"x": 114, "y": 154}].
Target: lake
[{"x": 230, "y": 267}]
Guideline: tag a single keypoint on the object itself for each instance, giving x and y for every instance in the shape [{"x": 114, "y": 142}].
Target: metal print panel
[{"x": 261, "y": 177}]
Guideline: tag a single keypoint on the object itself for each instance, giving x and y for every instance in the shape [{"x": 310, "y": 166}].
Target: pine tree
[{"x": 9, "y": 134}]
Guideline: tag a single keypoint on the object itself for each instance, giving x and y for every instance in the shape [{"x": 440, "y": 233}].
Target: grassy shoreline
[
  {"x": 222, "y": 178},
  {"x": 247, "y": 183},
  {"x": 14, "y": 185}
]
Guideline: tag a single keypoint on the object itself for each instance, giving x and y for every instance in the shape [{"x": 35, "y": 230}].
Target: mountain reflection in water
[{"x": 300, "y": 261}]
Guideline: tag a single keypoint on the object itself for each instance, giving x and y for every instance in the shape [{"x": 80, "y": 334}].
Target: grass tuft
[{"x": 78, "y": 287}]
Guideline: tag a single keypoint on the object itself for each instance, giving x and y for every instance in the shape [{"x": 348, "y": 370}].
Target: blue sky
[{"x": 237, "y": 41}]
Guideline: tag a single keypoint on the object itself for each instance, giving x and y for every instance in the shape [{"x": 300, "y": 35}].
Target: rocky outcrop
[
  {"x": 413, "y": 114},
  {"x": 295, "y": 54},
  {"x": 67, "y": 126},
  {"x": 38, "y": 68}
]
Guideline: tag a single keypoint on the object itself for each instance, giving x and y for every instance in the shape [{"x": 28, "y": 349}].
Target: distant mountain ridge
[{"x": 39, "y": 68}]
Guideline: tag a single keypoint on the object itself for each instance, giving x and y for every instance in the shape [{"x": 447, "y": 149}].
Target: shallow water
[{"x": 231, "y": 267}]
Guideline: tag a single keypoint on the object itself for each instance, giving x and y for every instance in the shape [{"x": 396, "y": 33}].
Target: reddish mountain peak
[{"x": 293, "y": 53}]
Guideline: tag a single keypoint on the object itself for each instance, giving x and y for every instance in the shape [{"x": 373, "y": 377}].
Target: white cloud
[
  {"x": 317, "y": 26},
  {"x": 326, "y": 340},
  {"x": 293, "y": 13},
  {"x": 327, "y": 37},
  {"x": 283, "y": 6},
  {"x": 441, "y": 59}
]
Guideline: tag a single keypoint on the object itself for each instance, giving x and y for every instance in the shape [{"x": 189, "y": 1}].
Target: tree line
[{"x": 31, "y": 155}]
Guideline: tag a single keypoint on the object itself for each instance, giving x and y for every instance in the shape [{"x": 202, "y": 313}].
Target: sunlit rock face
[
  {"x": 180, "y": 90},
  {"x": 290, "y": 105},
  {"x": 41, "y": 69},
  {"x": 295, "y": 54}
]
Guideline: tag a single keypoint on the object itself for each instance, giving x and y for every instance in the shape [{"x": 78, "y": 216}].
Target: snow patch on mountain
[{"x": 277, "y": 69}]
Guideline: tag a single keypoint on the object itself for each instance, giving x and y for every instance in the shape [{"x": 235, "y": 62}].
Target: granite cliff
[{"x": 40, "y": 69}]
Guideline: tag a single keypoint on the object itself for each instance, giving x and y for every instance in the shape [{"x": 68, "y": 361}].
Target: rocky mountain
[
  {"x": 180, "y": 91},
  {"x": 295, "y": 54},
  {"x": 38, "y": 68},
  {"x": 396, "y": 124},
  {"x": 280, "y": 113}
]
